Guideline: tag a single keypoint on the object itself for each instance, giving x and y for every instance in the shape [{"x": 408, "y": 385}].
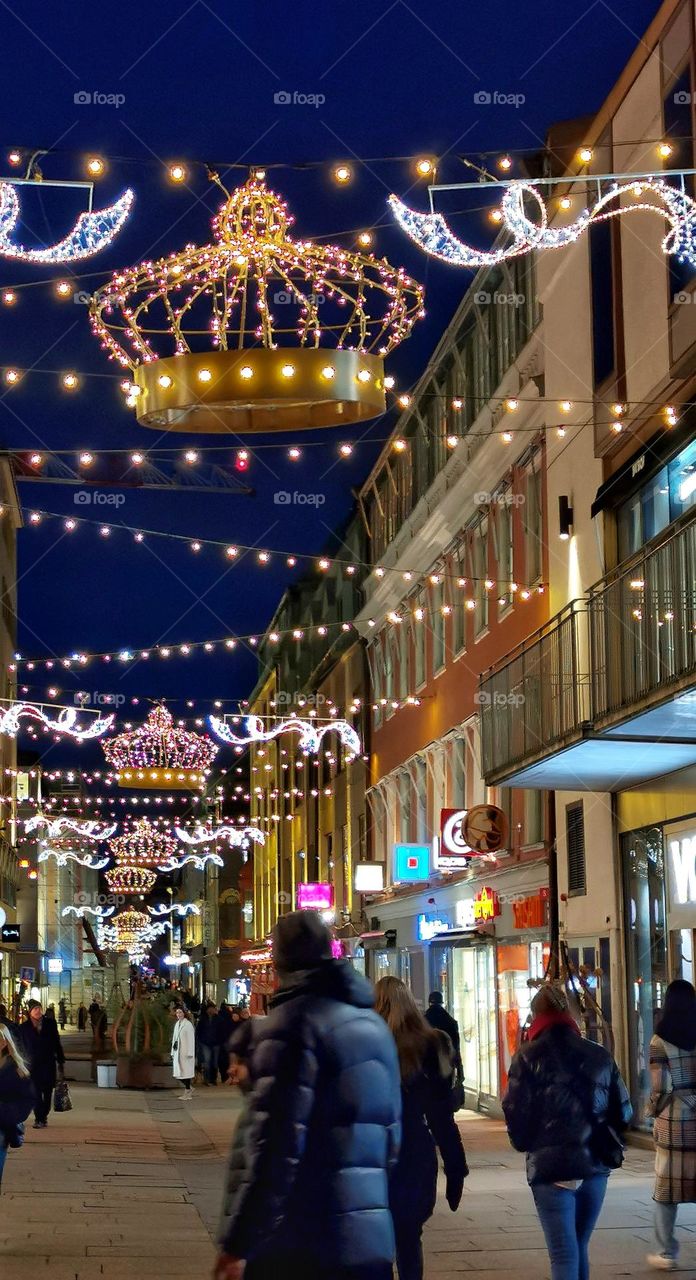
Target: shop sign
[
  {"x": 455, "y": 853},
  {"x": 529, "y": 913},
  {"x": 11, "y": 932},
  {"x": 314, "y": 897},
  {"x": 486, "y": 830},
  {"x": 464, "y": 913},
  {"x": 428, "y": 927},
  {"x": 369, "y": 877},
  {"x": 55, "y": 964},
  {"x": 411, "y": 862},
  {"x": 486, "y": 905}
]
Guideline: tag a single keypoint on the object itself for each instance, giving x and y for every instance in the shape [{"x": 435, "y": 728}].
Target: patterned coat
[{"x": 673, "y": 1104}]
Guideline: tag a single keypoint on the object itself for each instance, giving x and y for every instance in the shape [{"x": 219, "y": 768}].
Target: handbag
[
  {"x": 457, "y": 1094},
  {"x": 61, "y": 1097},
  {"x": 606, "y": 1146}
]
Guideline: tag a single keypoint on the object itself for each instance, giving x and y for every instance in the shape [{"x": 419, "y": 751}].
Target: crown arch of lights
[
  {"x": 431, "y": 232},
  {"x": 310, "y": 733},
  {"x": 160, "y": 755},
  {"x": 256, "y": 331},
  {"x": 145, "y": 845},
  {"x": 92, "y": 232}
]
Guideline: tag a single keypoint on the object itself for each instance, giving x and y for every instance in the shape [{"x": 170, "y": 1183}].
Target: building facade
[{"x": 605, "y": 695}]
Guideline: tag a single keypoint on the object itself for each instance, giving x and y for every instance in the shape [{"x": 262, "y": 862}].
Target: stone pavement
[{"x": 127, "y": 1187}]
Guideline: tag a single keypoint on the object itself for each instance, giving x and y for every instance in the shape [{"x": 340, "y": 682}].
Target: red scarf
[{"x": 546, "y": 1020}]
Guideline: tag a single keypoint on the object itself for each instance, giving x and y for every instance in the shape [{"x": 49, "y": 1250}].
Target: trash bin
[{"x": 106, "y": 1075}]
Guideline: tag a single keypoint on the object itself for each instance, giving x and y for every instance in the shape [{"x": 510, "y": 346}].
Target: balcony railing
[{"x": 627, "y": 646}]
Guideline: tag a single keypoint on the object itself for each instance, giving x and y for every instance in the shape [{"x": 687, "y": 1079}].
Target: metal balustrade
[{"x": 625, "y": 647}]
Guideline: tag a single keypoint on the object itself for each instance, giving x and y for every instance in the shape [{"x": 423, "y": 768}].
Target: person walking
[
  {"x": 239, "y": 1074},
  {"x": 16, "y": 1095},
  {"x": 673, "y": 1105},
  {"x": 82, "y": 1018},
  {"x": 44, "y": 1053},
  {"x": 94, "y": 1016},
  {"x": 324, "y": 1124},
  {"x": 438, "y": 1016},
  {"x": 62, "y": 1013},
  {"x": 565, "y": 1106},
  {"x": 208, "y": 1044},
  {"x": 427, "y": 1064},
  {"x": 184, "y": 1052}
]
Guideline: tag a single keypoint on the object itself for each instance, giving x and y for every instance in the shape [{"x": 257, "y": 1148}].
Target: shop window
[
  {"x": 647, "y": 961},
  {"x": 575, "y": 838},
  {"x": 658, "y": 503}
]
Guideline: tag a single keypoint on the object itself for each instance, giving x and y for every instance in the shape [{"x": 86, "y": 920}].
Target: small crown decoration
[
  {"x": 256, "y": 331},
  {"x": 130, "y": 931},
  {"x": 160, "y": 755},
  {"x": 136, "y": 852}
]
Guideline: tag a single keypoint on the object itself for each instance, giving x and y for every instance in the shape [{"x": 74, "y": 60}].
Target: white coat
[{"x": 183, "y": 1050}]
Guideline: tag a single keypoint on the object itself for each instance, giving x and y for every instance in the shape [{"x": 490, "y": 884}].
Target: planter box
[{"x": 106, "y": 1075}]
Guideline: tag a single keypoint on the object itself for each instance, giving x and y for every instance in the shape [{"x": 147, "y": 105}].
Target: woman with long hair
[
  {"x": 565, "y": 1106},
  {"x": 16, "y": 1095},
  {"x": 183, "y": 1052},
  {"x": 673, "y": 1104},
  {"x": 426, "y": 1061}
]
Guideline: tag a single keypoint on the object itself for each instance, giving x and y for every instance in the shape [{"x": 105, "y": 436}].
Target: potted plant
[{"x": 141, "y": 1035}]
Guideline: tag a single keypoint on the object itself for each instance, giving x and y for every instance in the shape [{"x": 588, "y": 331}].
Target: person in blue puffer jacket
[{"x": 323, "y": 1124}]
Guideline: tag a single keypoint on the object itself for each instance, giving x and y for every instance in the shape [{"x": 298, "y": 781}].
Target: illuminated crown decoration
[
  {"x": 136, "y": 853},
  {"x": 160, "y": 754},
  {"x": 130, "y": 931},
  {"x": 256, "y": 331}
]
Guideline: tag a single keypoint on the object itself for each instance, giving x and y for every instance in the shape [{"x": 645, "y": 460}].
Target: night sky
[{"x": 199, "y": 81}]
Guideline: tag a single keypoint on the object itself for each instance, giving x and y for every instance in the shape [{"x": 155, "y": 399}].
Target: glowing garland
[
  {"x": 179, "y": 909},
  {"x": 234, "y": 835},
  {"x": 431, "y": 231},
  {"x": 310, "y": 734},
  {"x": 92, "y": 231},
  {"x": 64, "y": 856},
  {"x": 66, "y": 722},
  {"x": 90, "y": 830},
  {"x": 102, "y": 913}
]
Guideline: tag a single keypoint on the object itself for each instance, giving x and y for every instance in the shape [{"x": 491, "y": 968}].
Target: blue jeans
[
  {"x": 665, "y": 1220},
  {"x": 3, "y": 1157},
  {"x": 568, "y": 1219}
]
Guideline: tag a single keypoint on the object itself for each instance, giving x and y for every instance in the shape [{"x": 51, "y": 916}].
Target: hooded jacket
[
  {"x": 323, "y": 1126},
  {"x": 561, "y": 1088}
]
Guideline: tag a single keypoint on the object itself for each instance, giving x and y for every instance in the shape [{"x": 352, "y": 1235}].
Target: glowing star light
[
  {"x": 91, "y": 233},
  {"x": 65, "y": 723},
  {"x": 431, "y": 232},
  {"x": 310, "y": 733}
]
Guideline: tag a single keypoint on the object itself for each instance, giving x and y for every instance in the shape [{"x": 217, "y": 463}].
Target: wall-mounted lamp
[{"x": 565, "y": 517}]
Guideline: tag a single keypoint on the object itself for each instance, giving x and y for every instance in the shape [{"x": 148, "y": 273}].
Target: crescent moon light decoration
[
  {"x": 431, "y": 232},
  {"x": 91, "y": 233},
  {"x": 310, "y": 734}
]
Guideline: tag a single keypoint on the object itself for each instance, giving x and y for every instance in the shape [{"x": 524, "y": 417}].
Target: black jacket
[
  {"x": 43, "y": 1051},
  {"x": 323, "y": 1127},
  {"x": 427, "y": 1125},
  {"x": 560, "y": 1089},
  {"x": 438, "y": 1017},
  {"x": 16, "y": 1098}
]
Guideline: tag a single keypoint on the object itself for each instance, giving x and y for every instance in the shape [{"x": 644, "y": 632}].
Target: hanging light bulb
[
  {"x": 9, "y": 297},
  {"x": 343, "y": 173},
  {"x": 177, "y": 173},
  {"x": 63, "y": 289},
  {"x": 585, "y": 155},
  {"x": 505, "y": 163},
  {"x": 95, "y": 167},
  {"x": 70, "y": 381},
  {"x": 425, "y": 167},
  {"x": 365, "y": 239}
]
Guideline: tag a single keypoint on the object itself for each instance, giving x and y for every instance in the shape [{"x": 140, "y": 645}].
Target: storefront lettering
[
  {"x": 464, "y": 913},
  {"x": 529, "y": 913},
  {"x": 684, "y": 864},
  {"x": 429, "y": 928},
  {"x": 486, "y": 904}
]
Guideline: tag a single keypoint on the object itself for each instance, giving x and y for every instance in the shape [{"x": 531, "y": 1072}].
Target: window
[
  {"x": 534, "y": 817},
  {"x": 405, "y": 806},
  {"x": 601, "y": 240},
  {"x": 533, "y": 524},
  {"x": 404, "y": 634},
  {"x": 660, "y": 501},
  {"x": 575, "y": 840},
  {"x": 438, "y": 628},
  {"x": 457, "y": 615},
  {"x": 480, "y": 573},
  {"x": 419, "y": 646},
  {"x": 421, "y": 801},
  {"x": 505, "y": 571},
  {"x": 457, "y": 791},
  {"x": 376, "y": 667},
  {"x": 678, "y": 118},
  {"x": 388, "y": 651}
]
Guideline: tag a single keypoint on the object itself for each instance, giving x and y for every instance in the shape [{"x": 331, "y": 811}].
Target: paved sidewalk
[{"x": 127, "y": 1187}]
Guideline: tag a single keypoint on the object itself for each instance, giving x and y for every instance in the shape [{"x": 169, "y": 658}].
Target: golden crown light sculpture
[
  {"x": 256, "y": 331},
  {"x": 160, "y": 755},
  {"x": 139, "y": 854}
]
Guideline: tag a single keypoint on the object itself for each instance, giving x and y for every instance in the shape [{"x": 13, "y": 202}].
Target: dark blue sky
[{"x": 199, "y": 82}]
